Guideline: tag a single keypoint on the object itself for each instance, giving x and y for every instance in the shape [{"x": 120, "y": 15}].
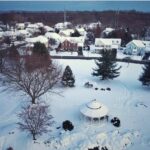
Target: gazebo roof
[{"x": 94, "y": 109}]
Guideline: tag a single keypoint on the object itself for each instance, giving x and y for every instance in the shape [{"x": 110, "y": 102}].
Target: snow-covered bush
[
  {"x": 67, "y": 125},
  {"x": 115, "y": 121}
]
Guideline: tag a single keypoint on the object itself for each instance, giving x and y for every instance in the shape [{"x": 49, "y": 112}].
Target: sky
[{"x": 74, "y": 5}]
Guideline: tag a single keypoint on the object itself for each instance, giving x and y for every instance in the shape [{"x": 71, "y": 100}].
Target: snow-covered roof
[
  {"x": 81, "y": 31},
  {"x": 66, "y": 32},
  {"x": 107, "y": 41},
  {"x": 62, "y": 25},
  {"x": 1, "y": 34},
  {"x": 146, "y": 43},
  {"x": 138, "y": 43},
  {"x": 49, "y": 29},
  {"x": 104, "y": 41},
  {"x": 53, "y": 35},
  {"x": 1, "y": 29},
  {"x": 79, "y": 39},
  {"x": 94, "y": 109},
  {"x": 41, "y": 39},
  {"x": 22, "y": 32},
  {"x": 20, "y": 25},
  {"x": 40, "y": 24},
  {"x": 94, "y": 25},
  {"x": 108, "y": 30},
  {"x": 9, "y": 33},
  {"x": 34, "y": 26}
]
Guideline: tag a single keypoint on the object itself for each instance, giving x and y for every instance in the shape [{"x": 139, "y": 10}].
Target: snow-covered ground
[{"x": 128, "y": 100}]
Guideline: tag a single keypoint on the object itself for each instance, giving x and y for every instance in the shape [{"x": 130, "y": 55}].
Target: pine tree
[
  {"x": 107, "y": 67},
  {"x": 145, "y": 77},
  {"x": 68, "y": 77}
]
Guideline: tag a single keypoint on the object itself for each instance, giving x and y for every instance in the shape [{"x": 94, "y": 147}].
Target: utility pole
[
  {"x": 117, "y": 19},
  {"x": 64, "y": 17}
]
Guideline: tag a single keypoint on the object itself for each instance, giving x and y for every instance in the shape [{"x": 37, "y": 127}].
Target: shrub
[
  {"x": 115, "y": 121},
  {"x": 67, "y": 125},
  {"x": 95, "y": 148},
  {"x": 9, "y": 148}
]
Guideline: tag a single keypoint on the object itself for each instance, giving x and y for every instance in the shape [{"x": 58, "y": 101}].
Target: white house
[
  {"x": 104, "y": 43},
  {"x": 136, "y": 47},
  {"x": 20, "y": 26},
  {"x": 62, "y": 25}
]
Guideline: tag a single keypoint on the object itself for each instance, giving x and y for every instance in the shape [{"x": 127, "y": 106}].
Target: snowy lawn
[{"x": 128, "y": 100}]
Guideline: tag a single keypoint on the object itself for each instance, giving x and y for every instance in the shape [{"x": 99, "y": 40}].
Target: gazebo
[{"x": 94, "y": 110}]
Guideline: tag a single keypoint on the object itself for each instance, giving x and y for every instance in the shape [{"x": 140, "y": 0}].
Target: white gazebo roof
[{"x": 94, "y": 109}]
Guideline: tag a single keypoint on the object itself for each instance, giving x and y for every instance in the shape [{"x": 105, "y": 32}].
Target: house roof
[
  {"x": 40, "y": 38},
  {"x": 108, "y": 41},
  {"x": 33, "y": 26},
  {"x": 53, "y": 35},
  {"x": 48, "y": 28},
  {"x": 138, "y": 43},
  {"x": 81, "y": 31},
  {"x": 146, "y": 43},
  {"x": 61, "y": 25},
  {"x": 108, "y": 30},
  {"x": 94, "y": 109},
  {"x": 80, "y": 39},
  {"x": 66, "y": 32}
]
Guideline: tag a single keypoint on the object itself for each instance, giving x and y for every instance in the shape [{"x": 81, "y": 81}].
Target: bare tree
[
  {"x": 34, "y": 76},
  {"x": 35, "y": 119}
]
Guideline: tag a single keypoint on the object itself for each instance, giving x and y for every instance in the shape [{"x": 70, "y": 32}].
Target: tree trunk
[
  {"x": 33, "y": 135},
  {"x": 33, "y": 100}
]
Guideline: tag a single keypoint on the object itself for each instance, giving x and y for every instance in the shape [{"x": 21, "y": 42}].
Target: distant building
[
  {"x": 20, "y": 26},
  {"x": 63, "y": 25},
  {"x": 104, "y": 43},
  {"x": 136, "y": 47},
  {"x": 69, "y": 46}
]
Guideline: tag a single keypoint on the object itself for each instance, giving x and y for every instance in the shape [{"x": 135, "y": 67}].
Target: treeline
[{"x": 134, "y": 20}]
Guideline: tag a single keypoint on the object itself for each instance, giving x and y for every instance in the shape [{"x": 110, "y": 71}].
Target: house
[
  {"x": 63, "y": 25},
  {"x": 20, "y": 26},
  {"x": 104, "y": 43},
  {"x": 69, "y": 45},
  {"x": 72, "y": 43},
  {"x": 136, "y": 47}
]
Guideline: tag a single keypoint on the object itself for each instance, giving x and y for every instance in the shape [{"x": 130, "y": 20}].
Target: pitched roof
[{"x": 138, "y": 43}]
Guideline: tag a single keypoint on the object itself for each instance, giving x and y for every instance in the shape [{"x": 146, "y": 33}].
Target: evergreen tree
[
  {"x": 40, "y": 48},
  {"x": 68, "y": 77},
  {"x": 145, "y": 77},
  {"x": 107, "y": 67}
]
